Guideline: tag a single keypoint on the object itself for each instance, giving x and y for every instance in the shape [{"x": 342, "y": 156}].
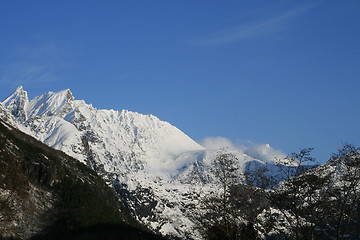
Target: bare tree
[
  {"x": 220, "y": 217},
  {"x": 314, "y": 202},
  {"x": 294, "y": 198},
  {"x": 318, "y": 203},
  {"x": 342, "y": 193}
]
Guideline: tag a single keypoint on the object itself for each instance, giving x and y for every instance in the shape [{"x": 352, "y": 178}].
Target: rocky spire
[
  {"x": 69, "y": 95},
  {"x": 16, "y": 104}
]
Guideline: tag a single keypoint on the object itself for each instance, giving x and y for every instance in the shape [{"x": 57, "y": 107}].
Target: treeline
[{"x": 322, "y": 202}]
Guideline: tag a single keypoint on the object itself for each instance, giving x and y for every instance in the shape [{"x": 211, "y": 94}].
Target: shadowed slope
[{"x": 44, "y": 192}]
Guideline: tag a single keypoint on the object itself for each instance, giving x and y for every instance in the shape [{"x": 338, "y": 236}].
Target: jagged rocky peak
[
  {"x": 116, "y": 139},
  {"x": 16, "y": 103},
  {"x": 50, "y": 103},
  {"x": 22, "y": 109},
  {"x": 65, "y": 95}
]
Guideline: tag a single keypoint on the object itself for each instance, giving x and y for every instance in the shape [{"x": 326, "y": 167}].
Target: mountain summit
[
  {"x": 16, "y": 103},
  {"x": 114, "y": 140}
]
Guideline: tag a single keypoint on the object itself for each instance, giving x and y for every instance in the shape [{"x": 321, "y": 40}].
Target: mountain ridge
[
  {"x": 82, "y": 122},
  {"x": 149, "y": 162}
]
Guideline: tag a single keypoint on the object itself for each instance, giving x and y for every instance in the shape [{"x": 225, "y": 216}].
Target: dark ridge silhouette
[{"x": 54, "y": 196}]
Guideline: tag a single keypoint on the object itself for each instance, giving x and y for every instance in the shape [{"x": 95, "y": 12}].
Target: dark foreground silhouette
[{"x": 100, "y": 232}]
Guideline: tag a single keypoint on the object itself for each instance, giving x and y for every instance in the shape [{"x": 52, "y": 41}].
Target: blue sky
[{"x": 285, "y": 73}]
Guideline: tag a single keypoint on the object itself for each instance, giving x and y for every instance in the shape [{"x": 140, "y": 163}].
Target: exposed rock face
[{"x": 16, "y": 103}]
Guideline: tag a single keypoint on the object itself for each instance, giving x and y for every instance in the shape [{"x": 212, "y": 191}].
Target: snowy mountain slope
[
  {"x": 157, "y": 170},
  {"x": 113, "y": 139}
]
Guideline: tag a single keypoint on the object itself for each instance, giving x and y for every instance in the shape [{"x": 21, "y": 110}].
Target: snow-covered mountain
[
  {"x": 157, "y": 169},
  {"x": 116, "y": 140}
]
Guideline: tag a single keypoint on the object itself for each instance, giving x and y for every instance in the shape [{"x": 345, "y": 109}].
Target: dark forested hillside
[{"x": 45, "y": 194}]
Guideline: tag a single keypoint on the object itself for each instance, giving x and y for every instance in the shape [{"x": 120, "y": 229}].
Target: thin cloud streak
[
  {"x": 252, "y": 29},
  {"x": 36, "y": 64},
  {"x": 26, "y": 72}
]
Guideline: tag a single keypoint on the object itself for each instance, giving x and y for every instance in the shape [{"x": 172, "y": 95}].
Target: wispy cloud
[
  {"x": 262, "y": 152},
  {"x": 253, "y": 29},
  {"x": 34, "y": 64},
  {"x": 26, "y": 72},
  {"x": 217, "y": 143}
]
